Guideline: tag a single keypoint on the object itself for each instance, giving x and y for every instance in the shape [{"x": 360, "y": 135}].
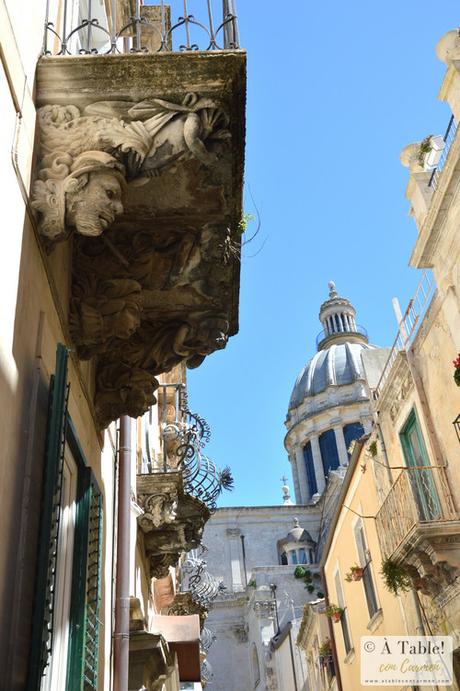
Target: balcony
[
  {"x": 418, "y": 526},
  {"x": 138, "y": 189},
  {"x": 177, "y": 486}
]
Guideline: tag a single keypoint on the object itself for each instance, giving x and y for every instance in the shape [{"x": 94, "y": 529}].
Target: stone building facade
[{"x": 121, "y": 164}]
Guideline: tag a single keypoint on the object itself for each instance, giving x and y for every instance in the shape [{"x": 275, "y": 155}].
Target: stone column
[
  {"x": 295, "y": 477},
  {"x": 341, "y": 446},
  {"x": 238, "y": 583},
  {"x": 318, "y": 463},
  {"x": 367, "y": 425},
  {"x": 302, "y": 472}
]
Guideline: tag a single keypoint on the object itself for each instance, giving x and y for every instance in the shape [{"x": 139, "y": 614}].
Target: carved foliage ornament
[{"x": 86, "y": 159}]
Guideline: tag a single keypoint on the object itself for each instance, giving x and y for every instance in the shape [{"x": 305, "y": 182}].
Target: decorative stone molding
[
  {"x": 87, "y": 157},
  {"x": 150, "y": 661},
  {"x": 265, "y": 609},
  {"x": 240, "y": 633},
  {"x": 184, "y": 604},
  {"x": 145, "y": 196},
  {"x": 173, "y": 521}
]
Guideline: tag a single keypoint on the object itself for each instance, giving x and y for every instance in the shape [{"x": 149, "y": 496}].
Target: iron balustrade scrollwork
[
  {"x": 184, "y": 435},
  {"x": 202, "y": 585},
  {"x": 102, "y": 28}
]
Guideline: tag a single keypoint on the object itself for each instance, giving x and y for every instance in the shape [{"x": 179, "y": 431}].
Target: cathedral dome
[
  {"x": 337, "y": 365},
  {"x": 340, "y": 345}
]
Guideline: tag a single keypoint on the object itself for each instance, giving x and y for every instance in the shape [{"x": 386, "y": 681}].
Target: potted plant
[
  {"x": 325, "y": 652},
  {"x": 395, "y": 577},
  {"x": 456, "y": 364},
  {"x": 355, "y": 573},
  {"x": 334, "y": 612}
]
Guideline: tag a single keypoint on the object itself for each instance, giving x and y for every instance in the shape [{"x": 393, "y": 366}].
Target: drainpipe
[
  {"x": 121, "y": 633},
  {"x": 331, "y": 633}
]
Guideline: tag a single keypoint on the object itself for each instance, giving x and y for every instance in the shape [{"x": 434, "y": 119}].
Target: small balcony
[
  {"x": 177, "y": 486},
  {"x": 418, "y": 526},
  {"x": 138, "y": 188}
]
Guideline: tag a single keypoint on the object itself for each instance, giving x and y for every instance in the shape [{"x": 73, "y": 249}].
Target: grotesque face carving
[{"x": 93, "y": 202}]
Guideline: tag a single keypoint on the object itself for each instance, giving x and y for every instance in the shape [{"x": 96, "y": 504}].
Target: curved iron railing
[
  {"x": 207, "y": 638},
  {"x": 163, "y": 27},
  {"x": 323, "y": 334},
  {"x": 203, "y": 586},
  {"x": 184, "y": 435}
]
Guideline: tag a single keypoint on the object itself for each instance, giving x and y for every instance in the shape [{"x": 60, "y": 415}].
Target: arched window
[
  {"x": 354, "y": 430},
  {"x": 329, "y": 453},
  {"x": 255, "y": 665},
  {"x": 311, "y": 477}
]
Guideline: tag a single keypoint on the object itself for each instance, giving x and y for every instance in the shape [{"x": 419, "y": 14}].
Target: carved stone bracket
[
  {"x": 173, "y": 521},
  {"x": 432, "y": 557},
  {"x": 143, "y": 190},
  {"x": 184, "y": 604}
]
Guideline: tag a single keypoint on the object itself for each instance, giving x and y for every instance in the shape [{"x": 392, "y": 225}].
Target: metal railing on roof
[
  {"x": 324, "y": 334},
  {"x": 104, "y": 28},
  {"x": 448, "y": 139},
  {"x": 408, "y": 326}
]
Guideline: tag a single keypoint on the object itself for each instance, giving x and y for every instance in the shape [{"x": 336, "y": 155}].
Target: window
[
  {"x": 311, "y": 477},
  {"x": 302, "y": 556},
  {"x": 293, "y": 554},
  {"x": 284, "y": 559},
  {"x": 364, "y": 560},
  {"x": 353, "y": 431},
  {"x": 422, "y": 481},
  {"x": 65, "y": 626},
  {"x": 344, "y": 618},
  {"x": 329, "y": 454}
]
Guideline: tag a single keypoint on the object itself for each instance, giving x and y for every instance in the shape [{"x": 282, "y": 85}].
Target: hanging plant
[
  {"x": 355, "y": 573},
  {"x": 395, "y": 577},
  {"x": 373, "y": 448},
  {"x": 456, "y": 364},
  {"x": 334, "y": 612}
]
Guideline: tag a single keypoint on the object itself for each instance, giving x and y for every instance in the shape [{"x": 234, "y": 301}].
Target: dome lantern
[{"x": 338, "y": 317}]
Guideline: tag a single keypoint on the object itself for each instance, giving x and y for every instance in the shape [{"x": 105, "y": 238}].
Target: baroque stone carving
[
  {"x": 88, "y": 157},
  {"x": 173, "y": 521},
  {"x": 184, "y": 604}
]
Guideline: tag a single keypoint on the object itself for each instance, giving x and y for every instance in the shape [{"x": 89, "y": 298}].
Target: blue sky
[{"x": 335, "y": 91}]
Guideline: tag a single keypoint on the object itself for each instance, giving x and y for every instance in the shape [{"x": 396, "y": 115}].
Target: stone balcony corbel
[
  {"x": 138, "y": 196},
  {"x": 172, "y": 522}
]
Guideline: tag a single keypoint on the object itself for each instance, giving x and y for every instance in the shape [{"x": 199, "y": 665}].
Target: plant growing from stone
[
  {"x": 424, "y": 150},
  {"x": 395, "y": 577}
]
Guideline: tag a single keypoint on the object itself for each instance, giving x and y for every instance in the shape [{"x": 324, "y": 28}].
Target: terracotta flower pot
[
  {"x": 336, "y": 617},
  {"x": 357, "y": 574}
]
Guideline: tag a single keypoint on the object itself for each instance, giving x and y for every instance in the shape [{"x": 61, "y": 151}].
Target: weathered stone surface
[
  {"x": 140, "y": 172},
  {"x": 173, "y": 521}
]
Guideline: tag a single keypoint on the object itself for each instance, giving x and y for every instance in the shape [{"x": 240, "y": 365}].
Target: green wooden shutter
[
  {"x": 42, "y": 625},
  {"x": 86, "y": 586}
]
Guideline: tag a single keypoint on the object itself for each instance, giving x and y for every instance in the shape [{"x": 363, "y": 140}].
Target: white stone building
[{"x": 256, "y": 550}]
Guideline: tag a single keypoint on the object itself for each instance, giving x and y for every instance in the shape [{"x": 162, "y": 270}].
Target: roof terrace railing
[
  {"x": 408, "y": 326},
  {"x": 103, "y": 28},
  {"x": 448, "y": 139},
  {"x": 324, "y": 335}
]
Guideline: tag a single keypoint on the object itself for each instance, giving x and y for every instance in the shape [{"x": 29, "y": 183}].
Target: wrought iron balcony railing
[
  {"x": 184, "y": 435},
  {"x": 203, "y": 586},
  {"x": 448, "y": 139},
  {"x": 103, "y": 28},
  {"x": 419, "y": 496}
]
